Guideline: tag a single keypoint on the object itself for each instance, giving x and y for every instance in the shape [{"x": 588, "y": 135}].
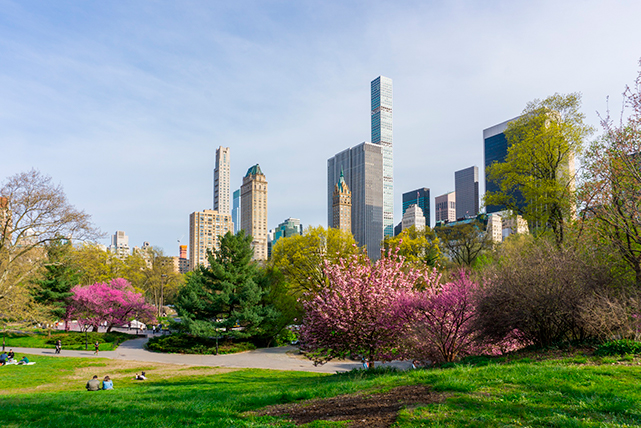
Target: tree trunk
[
  {"x": 95, "y": 329},
  {"x": 109, "y": 327}
]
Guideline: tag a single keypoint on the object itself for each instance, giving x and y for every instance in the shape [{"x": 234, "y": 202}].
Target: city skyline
[{"x": 124, "y": 104}]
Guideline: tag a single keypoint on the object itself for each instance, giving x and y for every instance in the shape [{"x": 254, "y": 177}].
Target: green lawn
[
  {"x": 72, "y": 340},
  {"x": 571, "y": 392}
]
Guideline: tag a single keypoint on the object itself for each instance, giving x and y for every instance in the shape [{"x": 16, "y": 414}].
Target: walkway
[{"x": 282, "y": 358}]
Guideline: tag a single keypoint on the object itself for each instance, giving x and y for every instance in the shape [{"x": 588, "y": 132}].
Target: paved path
[{"x": 282, "y": 358}]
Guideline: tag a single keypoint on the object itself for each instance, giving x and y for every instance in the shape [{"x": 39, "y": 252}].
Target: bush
[
  {"x": 619, "y": 347},
  {"x": 547, "y": 294},
  {"x": 182, "y": 343}
]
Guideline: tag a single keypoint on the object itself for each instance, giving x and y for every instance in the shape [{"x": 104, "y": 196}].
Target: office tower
[
  {"x": 421, "y": 198},
  {"x": 342, "y": 205},
  {"x": 120, "y": 244},
  {"x": 253, "y": 210},
  {"x": 445, "y": 207},
  {"x": 288, "y": 228},
  {"x": 495, "y": 150},
  {"x": 205, "y": 229},
  {"x": 221, "y": 180},
  {"x": 381, "y": 117},
  {"x": 183, "y": 261},
  {"x": 235, "y": 211},
  {"x": 466, "y": 187},
  {"x": 413, "y": 216},
  {"x": 362, "y": 168}
]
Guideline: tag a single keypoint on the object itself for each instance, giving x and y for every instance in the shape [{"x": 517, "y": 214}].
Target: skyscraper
[
  {"x": 362, "y": 168},
  {"x": 120, "y": 244},
  {"x": 342, "y": 205},
  {"x": 253, "y": 210},
  {"x": 421, "y": 198},
  {"x": 381, "y": 118},
  {"x": 205, "y": 229},
  {"x": 221, "y": 180},
  {"x": 413, "y": 216},
  {"x": 235, "y": 211},
  {"x": 495, "y": 150},
  {"x": 445, "y": 207},
  {"x": 466, "y": 185}
]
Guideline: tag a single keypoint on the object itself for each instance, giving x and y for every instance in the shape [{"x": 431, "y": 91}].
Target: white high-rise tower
[
  {"x": 221, "y": 181},
  {"x": 381, "y": 96}
]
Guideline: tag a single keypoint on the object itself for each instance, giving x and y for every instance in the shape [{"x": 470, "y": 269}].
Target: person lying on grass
[{"x": 140, "y": 376}]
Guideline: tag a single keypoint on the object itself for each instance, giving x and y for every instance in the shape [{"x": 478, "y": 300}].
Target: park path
[{"x": 281, "y": 358}]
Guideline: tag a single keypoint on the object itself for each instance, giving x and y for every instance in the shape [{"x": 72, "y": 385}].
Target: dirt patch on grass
[{"x": 378, "y": 410}]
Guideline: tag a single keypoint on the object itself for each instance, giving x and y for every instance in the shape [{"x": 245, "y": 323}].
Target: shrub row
[{"x": 182, "y": 343}]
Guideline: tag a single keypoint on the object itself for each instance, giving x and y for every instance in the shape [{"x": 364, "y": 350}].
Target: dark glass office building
[
  {"x": 495, "y": 149},
  {"x": 420, "y": 197}
]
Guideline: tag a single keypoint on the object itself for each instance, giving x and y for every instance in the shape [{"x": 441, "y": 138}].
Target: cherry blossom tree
[
  {"x": 355, "y": 314},
  {"x": 114, "y": 303}
]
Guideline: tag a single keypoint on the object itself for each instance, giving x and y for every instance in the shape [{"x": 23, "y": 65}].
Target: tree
[
  {"x": 439, "y": 321},
  {"x": 114, "y": 303},
  {"x": 160, "y": 284},
  {"x": 418, "y": 247},
  {"x": 464, "y": 242},
  {"x": 53, "y": 288},
  {"x": 225, "y": 298},
  {"x": 33, "y": 212},
  {"x": 301, "y": 258},
  {"x": 537, "y": 178},
  {"x": 611, "y": 188},
  {"x": 355, "y": 314}
]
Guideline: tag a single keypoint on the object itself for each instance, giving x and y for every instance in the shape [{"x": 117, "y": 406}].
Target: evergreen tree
[
  {"x": 53, "y": 289},
  {"x": 226, "y": 298}
]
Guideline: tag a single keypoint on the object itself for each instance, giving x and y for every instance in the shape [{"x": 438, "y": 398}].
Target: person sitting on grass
[
  {"x": 24, "y": 360},
  {"x": 11, "y": 355},
  {"x": 3, "y": 358},
  {"x": 93, "y": 384},
  {"x": 107, "y": 383}
]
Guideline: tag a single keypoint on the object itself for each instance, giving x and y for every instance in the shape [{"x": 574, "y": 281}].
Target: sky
[{"x": 125, "y": 103}]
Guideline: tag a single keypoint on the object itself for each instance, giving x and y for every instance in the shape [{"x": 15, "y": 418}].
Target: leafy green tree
[
  {"x": 53, "y": 289},
  {"x": 301, "y": 258},
  {"x": 419, "y": 247},
  {"x": 542, "y": 145},
  {"x": 158, "y": 281},
  {"x": 225, "y": 298},
  {"x": 464, "y": 242}
]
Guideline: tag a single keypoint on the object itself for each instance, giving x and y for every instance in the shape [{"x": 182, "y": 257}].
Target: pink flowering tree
[
  {"x": 355, "y": 314},
  {"x": 115, "y": 303},
  {"x": 439, "y": 322}
]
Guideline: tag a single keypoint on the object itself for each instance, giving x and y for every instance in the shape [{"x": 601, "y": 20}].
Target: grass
[
  {"x": 72, "y": 340},
  {"x": 572, "y": 391}
]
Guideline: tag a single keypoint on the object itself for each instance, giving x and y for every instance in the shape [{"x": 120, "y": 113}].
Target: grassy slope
[
  {"x": 580, "y": 392},
  {"x": 108, "y": 341}
]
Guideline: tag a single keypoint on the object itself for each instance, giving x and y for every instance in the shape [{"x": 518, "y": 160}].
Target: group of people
[
  {"x": 10, "y": 358},
  {"x": 94, "y": 384}
]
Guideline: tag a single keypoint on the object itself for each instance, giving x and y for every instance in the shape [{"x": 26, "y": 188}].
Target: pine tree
[
  {"x": 53, "y": 289},
  {"x": 225, "y": 298}
]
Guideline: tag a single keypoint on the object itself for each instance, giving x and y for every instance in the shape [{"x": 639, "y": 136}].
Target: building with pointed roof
[
  {"x": 342, "y": 205},
  {"x": 253, "y": 210}
]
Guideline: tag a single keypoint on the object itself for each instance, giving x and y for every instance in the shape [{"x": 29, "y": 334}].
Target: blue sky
[{"x": 125, "y": 103}]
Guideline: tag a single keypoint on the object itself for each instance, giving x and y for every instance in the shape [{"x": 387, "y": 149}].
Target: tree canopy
[
  {"x": 464, "y": 242},
  {"x": 542, "y": 145},
  {"x": 419, "y": 247},
  {"x": 301, "y": 258}
]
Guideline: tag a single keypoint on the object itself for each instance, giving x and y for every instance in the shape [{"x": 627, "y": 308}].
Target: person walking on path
[
  {"x": 96, "y": 347},
  {"x": 58, "y": 346}
]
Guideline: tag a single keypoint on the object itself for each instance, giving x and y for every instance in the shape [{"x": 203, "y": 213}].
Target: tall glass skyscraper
[
  {"x": 466, "y": 186},
  {"x": 381, "y": 116},
  {"x": 235, "y": 211}
]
